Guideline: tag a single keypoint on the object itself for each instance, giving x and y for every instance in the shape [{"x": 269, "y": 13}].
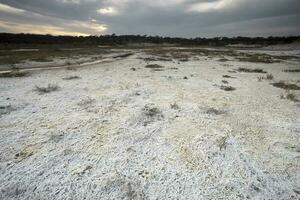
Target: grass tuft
[
  {"x": 47, "y": 89},
  {"x": 246, "y": 70}
]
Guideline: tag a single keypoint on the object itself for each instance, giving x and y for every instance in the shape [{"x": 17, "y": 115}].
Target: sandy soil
[{"x": 126, "y": 131}]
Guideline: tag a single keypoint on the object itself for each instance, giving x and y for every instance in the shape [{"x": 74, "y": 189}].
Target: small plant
[
  {"x": 71, "y": 77},
  {"x": 227, "y": 88},
  {"x": 260, "y": 78},
  {"x": 174, "y": 106},
  {"x": 47, "y": 89},
  {"x": 224, "y": 81},
  {"x": 269, "y": 77},
  {"x": 290, "y": 96},
  {"x": 151, "y": 114}
]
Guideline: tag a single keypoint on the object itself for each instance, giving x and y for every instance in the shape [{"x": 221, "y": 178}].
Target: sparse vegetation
[
  {"x": 246, "y": 70},
  {"x": 227, "y": 76},
  {"x": 268, "y": 77},
  {"x": 174, "y": 106},
  {"x": 290, "y": 96},
  {"x": 71, "y": 77},
  {"x": 151, "y": 114},
  {"x": 154, "y": 66},
  {"x": 213, "y": 111},
  {"x": 227, "y": 88},
  {"x": 24, "y": 154},
  {"x": 286, "y": 86},
  {"x": 292, "y": 70},
  {"x": 47, "y": 89},
  {"x": 224, "y": 81}
]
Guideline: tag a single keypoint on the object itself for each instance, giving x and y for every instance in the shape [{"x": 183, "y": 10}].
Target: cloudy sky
[{"x": 181, "y": 18}]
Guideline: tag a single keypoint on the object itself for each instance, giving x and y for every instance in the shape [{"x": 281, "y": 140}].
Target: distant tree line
[{"x": 10, "y": 38}]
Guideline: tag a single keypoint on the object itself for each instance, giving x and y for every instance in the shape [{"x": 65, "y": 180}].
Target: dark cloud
[{"x": 185, "y": 18}]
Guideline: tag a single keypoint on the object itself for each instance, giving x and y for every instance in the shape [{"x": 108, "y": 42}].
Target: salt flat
[{"x": 121, "y": 130}]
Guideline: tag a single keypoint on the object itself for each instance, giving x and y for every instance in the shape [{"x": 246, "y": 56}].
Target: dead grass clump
[
  {"x": 292, "y": 70},
  {"x": 154, "y": 66},
  {"x": 174, "y": 106},
  {"x": 286, "y": 86},
  {"x": 224, "y": 81},
  {"x": 268, "y": 77},
  {"x": 246, "y": 70},
  {"x": 6, "y": 109},
  {"x": 227, "y": 76},
  {"x": 213, "y": 111},
  {"x": 227, "y": 88},
  {"x": 47, "y": 89},
  {"x": 71, "y": 77},
  {"x": 151, "y": 114},
  {"x": 24, "y": 154},
  {"x": 13, "y": 73},
  {"x": 290, "y": 96}
]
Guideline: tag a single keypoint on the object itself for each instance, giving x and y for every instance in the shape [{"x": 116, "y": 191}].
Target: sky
[{"x": 174, "y": 18}]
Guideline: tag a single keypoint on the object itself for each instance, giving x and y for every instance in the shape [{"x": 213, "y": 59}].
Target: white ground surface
[{"x": 93, "y": 139}]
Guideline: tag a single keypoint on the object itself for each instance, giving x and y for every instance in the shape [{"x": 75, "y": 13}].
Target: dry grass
[
  {"x": 268, "y": 77},
  {"x": 154, "y": 66},
  {"x": 49, "y": 88},
  {"x": 246, "y": 70},
  {"x": 72, "y": 77},
  {"x": 227, "y": 88},
  {"x": 227, "y": 76},
  {"x": 290, "y": 96},
  {"x": 292, "y": 70},
  {"x": 174, "y": 106},
  {"x": 286, "y": 86}
]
